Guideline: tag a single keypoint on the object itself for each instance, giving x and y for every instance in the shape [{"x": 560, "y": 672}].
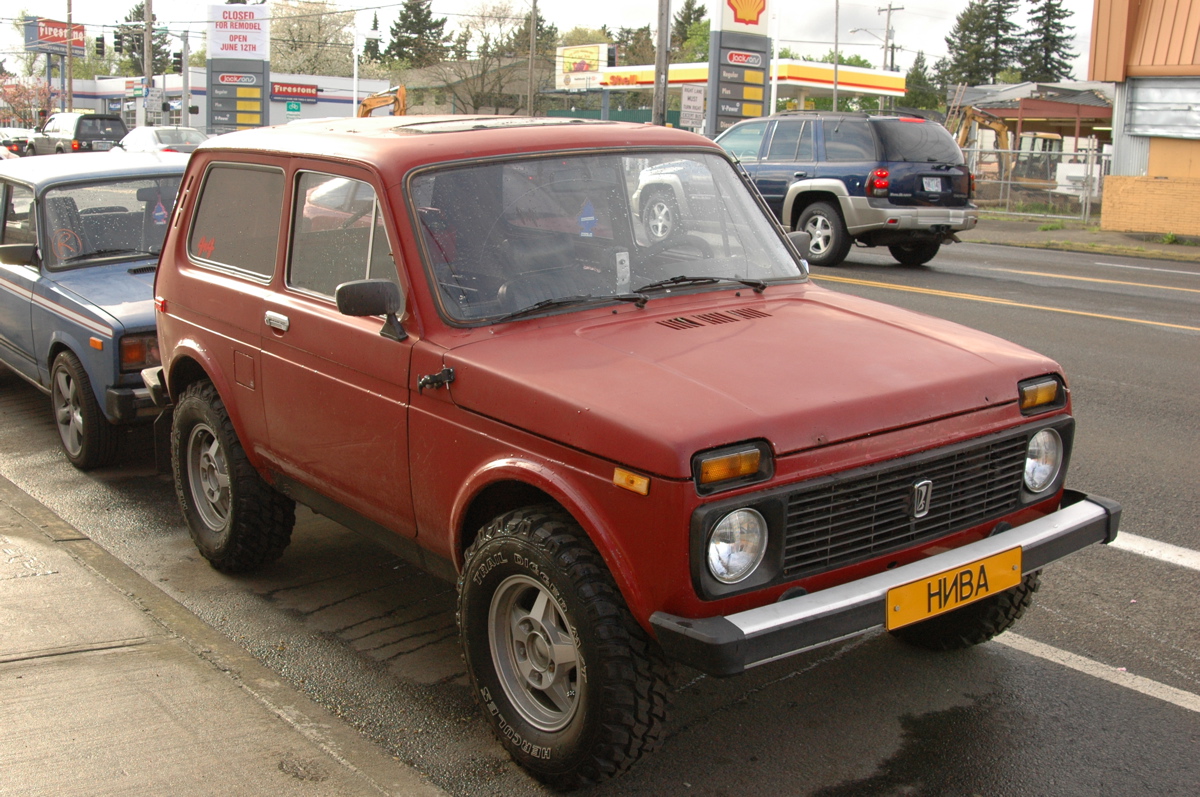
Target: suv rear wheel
[
  {"x": 238, "y": 522},
  {"x": 917, "y": 253},
  {"x": 660, "y": 215},
  {"x": 574, "y": 689},
  {"x": 830, "y": 241}
]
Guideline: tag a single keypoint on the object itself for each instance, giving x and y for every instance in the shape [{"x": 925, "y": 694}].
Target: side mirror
[
  {"x": 372, "y": 297},
  {"x": 18, "y": 254},
  {"x": 802, "y": 241}
]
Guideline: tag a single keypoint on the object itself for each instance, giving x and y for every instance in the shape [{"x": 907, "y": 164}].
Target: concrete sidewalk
[
  {"x": 1074, "y": 236},
  {"x": 108, "y": 686}
]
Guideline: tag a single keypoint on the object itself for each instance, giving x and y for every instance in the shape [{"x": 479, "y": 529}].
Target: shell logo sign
[{"x": 747, "y": 12}]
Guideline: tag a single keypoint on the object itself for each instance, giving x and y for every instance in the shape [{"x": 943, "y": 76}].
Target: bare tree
[
  {"x": 485, "y": 74},
  {"x": 311, "y": 37}
]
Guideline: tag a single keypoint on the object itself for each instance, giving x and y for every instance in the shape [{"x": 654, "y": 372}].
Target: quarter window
[
  {"x": 337, "y": 234},
  {"x": 849, "y": 140},
  {"x": 237, "y": 218}
]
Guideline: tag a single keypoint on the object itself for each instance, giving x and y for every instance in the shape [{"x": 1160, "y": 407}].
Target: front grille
[{"x": 852, "y": 519}]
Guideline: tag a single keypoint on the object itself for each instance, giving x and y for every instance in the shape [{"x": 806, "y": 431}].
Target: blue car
[{"x": 79, "y": 243}]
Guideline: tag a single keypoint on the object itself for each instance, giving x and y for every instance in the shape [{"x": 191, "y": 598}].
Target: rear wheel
[
  {"x": 915, "y": 254},
  {"x": 87, "y": 438},
  {"x": 574, "y": 689},
  {"x": 830, "y": 242},
  {"x": 238, "y": 522},
  {"x": 974, "y": 623}
]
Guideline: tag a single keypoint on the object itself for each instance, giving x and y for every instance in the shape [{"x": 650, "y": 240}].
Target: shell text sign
[{"x": 747, "y": 12}]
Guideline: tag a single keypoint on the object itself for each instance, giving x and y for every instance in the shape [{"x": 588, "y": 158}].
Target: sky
[{"x": 806, "y": 26}]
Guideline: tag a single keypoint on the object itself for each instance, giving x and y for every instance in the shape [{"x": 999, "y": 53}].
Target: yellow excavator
[
  {"x": 396, "y": 97},
  {"x": 1036, "y": 156}
]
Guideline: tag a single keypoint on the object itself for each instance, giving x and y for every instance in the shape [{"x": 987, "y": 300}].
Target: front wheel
[
  {"x": 237, "y": 521},
  {"x": 660, "y": 215},
  {"x": 917, "y": 253},
  {"x": 87, "y": 438},
  {"x": 974, "y": 623},
  {"x": 573, "y": 687},
  {"x": 829, "y": 240}
]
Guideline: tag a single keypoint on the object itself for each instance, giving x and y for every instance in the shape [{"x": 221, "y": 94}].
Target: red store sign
[{"x": 294, "y": 91}]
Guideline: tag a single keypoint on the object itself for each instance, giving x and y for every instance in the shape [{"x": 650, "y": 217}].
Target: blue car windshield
[
  {"x": 503, "y": 240},
  {"x": 115, "y": 219}
]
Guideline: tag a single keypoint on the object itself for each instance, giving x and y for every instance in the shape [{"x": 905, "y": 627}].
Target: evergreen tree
[
  {"x": 371, "y": 48},
  {"x": 635, "y": 46},
  {"x": 418, "y": 39},
  {"x": 920, "y": 91},
  {"x": 1046, "y": 57},
  {"x": 131, "y": 33},
  {"x": 517, "y": 44},
  {"x": 967, "y": 47},
  {"x": 681, "y": 29},
  {"x": 1001, "y": 36}
]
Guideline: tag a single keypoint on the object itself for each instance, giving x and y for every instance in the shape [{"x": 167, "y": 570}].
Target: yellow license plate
[{"x": 950, "y": 589}]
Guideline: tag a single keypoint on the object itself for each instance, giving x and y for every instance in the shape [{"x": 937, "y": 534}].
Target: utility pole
[
  {"x": 837, "y": 55},
  {"x": 147, "y": 60},
  {"x": 70, "y": 59},
  {"x": 185, "y": 116},
  {"x": 888, "y": 47},
  {"x": 662, "y": 66},
  {"x": 532, "y": 51}
]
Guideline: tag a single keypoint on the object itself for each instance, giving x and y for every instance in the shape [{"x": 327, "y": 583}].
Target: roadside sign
[
  {"x": 691, "y": 108},
  {"x": 293, "y": 106}
]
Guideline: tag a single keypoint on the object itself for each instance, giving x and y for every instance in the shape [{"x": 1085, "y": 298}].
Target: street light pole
[{"x": 837, "y": 56}]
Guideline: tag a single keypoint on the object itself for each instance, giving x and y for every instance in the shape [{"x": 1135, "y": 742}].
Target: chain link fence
[{"x": 1028, "y": 182}]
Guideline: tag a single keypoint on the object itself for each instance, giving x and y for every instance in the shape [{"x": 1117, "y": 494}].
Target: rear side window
[
  {"x": 236, "y": 224},
  {"x": 918, "y": 142},
  {"x": 849, "y": 140},
  {"x": 792, "y": 141},
  {"x": 337, "y": 234}
]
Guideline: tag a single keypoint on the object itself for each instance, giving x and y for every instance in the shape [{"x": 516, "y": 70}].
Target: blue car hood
[{"x": 124, "y": 291}]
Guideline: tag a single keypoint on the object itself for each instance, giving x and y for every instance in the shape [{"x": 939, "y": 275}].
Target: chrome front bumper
[{"x": 729, "y": 645}]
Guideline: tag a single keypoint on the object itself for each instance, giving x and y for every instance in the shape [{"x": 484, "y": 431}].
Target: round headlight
[
  {"x": 736, "y": 546},
  {"x": 1043, "y": 459}
]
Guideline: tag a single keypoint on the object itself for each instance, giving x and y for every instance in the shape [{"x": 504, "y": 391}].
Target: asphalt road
[{"x": 1097, "y": 690}]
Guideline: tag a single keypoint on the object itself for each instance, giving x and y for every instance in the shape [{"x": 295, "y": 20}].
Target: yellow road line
[
  {"x": 1095, "y": 279},
  {"x": 971, "y": 297}
]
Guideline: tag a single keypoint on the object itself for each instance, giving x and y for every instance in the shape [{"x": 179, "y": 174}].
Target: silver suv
[{"x": 850, "y": 178}]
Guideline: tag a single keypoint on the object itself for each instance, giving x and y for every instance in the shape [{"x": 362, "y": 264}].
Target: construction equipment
[
  {"x": 396, "y": 97},
  {"x": 1036, "y": 153}
]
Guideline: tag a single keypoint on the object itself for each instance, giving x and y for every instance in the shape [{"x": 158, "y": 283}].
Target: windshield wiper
[
  {"x": 567, "y": 301},
  {"x": 109, "y": 253},
  {"x": 758, "y": 285}
]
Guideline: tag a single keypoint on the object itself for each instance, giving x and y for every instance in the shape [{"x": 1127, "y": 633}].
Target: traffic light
[
  {"x": 177, "y": 62},
  {"x": 100, "y": 46},
  {"x": 118, "y": 44}
]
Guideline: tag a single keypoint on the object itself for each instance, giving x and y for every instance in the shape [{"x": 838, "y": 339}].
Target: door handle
[
  {"x": 277, "y": 321},
  {"x": 800, "y": 174}
]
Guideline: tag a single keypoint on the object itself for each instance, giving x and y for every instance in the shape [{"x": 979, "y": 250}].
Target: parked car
[
  {"x": 162, "y": 139},
  {"x": 850, "y": 178},
  {"x": 626, "y": 447},
  {"x": 78, "y": 245},
  {"x": 77, "y": 132},
  {"x": 14, "y": 141}
]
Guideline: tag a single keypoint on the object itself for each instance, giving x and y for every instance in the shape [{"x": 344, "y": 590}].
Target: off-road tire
[
  {"x": 917, "y": 253},
  {"x": 87, "y": 438},
  {"x": 974, "y": 623},
  {"x": 532, "y": 574},
  {"x": 830, "y": 241},
  {"x": 238, "y": 522}
]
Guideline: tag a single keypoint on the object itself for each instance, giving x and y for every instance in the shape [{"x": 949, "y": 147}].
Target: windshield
[
  {"x": 918, "y": 142},
  {"x": 125, "y": 218},
  {"x": 499, "y": 238}
]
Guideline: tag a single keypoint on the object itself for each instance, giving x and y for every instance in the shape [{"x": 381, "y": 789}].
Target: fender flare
[
  {"x": 540, "y": 475},
  {"x": 802, "y": 188}
]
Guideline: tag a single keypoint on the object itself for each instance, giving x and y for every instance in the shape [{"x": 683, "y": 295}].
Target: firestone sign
[{"x": 51, "y": 36}]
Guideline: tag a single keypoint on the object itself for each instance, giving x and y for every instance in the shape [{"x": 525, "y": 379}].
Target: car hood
[
  {"x": 125, "y": 291},
  {"x": 798, "y": 366}
]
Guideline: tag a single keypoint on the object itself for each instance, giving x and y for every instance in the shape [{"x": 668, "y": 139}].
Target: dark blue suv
[{"x": 847, "y": 178}]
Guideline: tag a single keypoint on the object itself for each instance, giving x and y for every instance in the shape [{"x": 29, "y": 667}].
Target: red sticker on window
[{"x": 206, "y": 246}]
